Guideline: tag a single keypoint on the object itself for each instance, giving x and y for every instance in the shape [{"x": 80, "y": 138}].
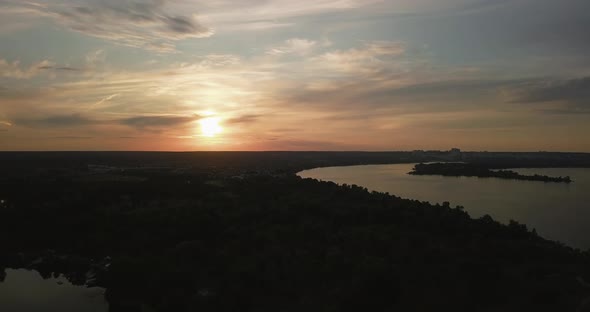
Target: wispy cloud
[
  {"x": 106, "y": 99},
  {"x": 268, "y": 14},
  {"x": 575, "y": 91},
  {"x": 373, "y": 56},
  {"x": 147, "y": 24},
  {"x": 73, "y": 137},
  {"x": 295, "y": 46},
  {"x": 55, "y": 121},
  {"x": 60, "y": 68},
  {"x": 553, "y": 96},
  {"x": 5, "y": 125},
  {"x": 369, "y": 52},
  {"x": 387, "y": 88},
  {"x": 243, "y": 119},
  {"x": 149, "y": 122},
  {"x": 142, "y": 122},
  {"x": 16, "y": 71}
]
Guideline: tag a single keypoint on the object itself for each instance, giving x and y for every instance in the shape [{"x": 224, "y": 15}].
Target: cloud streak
[
  {"x": 15, "y": 70},
  {"x": 150, "y": 122},
  {"x": 72, "y": 120},
  {"x": 573, "y": 91},
  {"x": 77, "y": 120},
  {"x": 297, "y": 46},
  {"x": 244, "y": 119},
  {"x": 147, "y": 24}
]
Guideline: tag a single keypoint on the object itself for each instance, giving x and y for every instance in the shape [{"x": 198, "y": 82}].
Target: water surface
[
  {"x": 558, "y": 211},
  {"x": 27, "y": 291}
]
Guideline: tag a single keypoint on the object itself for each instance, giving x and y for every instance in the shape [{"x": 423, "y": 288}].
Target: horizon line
[{"x": 282, "y": 151}]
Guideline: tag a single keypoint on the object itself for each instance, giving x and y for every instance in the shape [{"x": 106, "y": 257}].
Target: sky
[{"x": 373, "y": 75}]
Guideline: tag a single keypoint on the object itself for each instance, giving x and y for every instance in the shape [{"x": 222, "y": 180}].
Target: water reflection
[
  {"x": 558, "y": 211},
  {"x": 27, "y": 291}
]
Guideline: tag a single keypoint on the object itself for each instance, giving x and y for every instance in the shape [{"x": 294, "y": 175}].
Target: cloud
[
  {"x": 146, "y": 122},
  {"x": 580, "y": 111},
  {"x": 77, "y": 120},
  {"x": 446, "y": 88},
  {"x": 553, "y": 96},
  {"x": 388, "y": 93},
  {"x": 295, "y": 46},
  {"x": 147, "y": 24},
  {"x": 254, "y": 26},
  {"x": 574, "y": 91},
  {"x": 371, "y": 51},
  {"x": 73, "y": 137},
  {"x": 243, "y": 119},
  {"x": 5, "y": 125},
  {"x": 218, "y": 60},
  {"x": 268, "y": 14},
  {"x": 61, "y": 68},
  {"x": 106, "y": 99},
  {"x": 14, "y": 70},
  {"x": 372, "y": 56},
  {"x": 72, "y": 120}
]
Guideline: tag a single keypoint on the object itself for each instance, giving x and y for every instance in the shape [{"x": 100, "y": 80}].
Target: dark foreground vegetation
[
  {"x": 481, "y": 171},
  {"x": 234, "y": 236}
]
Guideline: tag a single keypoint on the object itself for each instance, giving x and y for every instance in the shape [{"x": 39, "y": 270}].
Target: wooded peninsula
[{"x": 480, "y": 171}]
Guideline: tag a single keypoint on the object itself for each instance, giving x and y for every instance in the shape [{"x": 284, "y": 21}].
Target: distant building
[{"x": 455, "y": 154}]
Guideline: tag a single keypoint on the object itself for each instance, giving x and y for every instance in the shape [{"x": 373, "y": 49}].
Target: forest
[
  {"x": 480, "y": 171},
  {"x": 184, "y": 239}
]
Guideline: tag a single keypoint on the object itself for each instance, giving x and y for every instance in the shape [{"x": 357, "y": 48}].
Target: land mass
[
  {"x": 242, "y": 232},
  {"x": 480, "y": 171}
]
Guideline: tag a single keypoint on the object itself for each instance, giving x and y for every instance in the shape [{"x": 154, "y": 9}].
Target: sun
[{"x": 210, "y": 126}]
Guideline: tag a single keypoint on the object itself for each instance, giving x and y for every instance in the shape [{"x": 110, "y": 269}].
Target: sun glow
[{"x": 210, "y": 126}]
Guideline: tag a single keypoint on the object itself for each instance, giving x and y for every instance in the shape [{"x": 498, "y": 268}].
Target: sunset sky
[{"x": 188, "y": 75}]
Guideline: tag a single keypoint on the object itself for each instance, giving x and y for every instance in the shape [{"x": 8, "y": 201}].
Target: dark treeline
[
  {"x": 19, "y": 164},
  {"x": 191, "y": 240},
  {"x": 22, "y": 164},
  {"x": 475, "y": 170},
  {"x": 282, "y": 243}
]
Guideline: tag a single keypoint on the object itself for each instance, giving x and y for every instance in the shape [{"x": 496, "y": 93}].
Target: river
[{"x": 558, "y": 211}]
